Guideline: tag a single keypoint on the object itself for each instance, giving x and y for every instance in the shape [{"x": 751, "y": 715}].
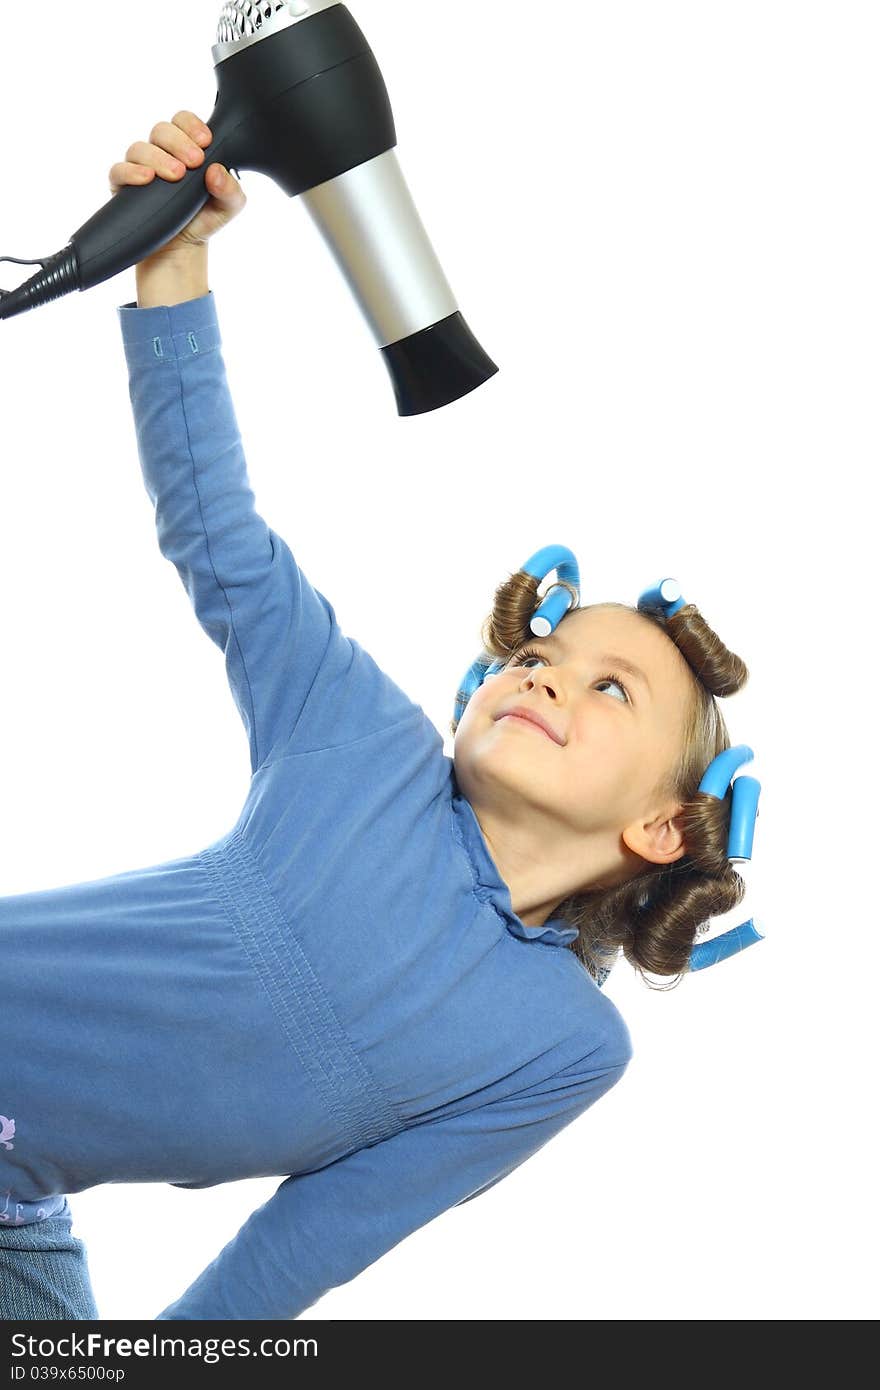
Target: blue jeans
[{"x": 44, "y": 1271}]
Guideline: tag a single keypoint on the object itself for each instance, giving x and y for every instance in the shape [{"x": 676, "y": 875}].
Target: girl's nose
[{"x": 544, "y": 678}]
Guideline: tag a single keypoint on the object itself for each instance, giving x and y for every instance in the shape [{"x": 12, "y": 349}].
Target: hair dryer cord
[
  {"x": 58, "y": 275},
  {"x": 41, "y": 260}
]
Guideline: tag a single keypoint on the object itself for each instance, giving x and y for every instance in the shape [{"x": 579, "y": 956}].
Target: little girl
[{"x": 384, "y": 981}]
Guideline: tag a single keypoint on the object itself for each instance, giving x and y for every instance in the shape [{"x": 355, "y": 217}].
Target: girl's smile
[{"x": 533, "y": 720}]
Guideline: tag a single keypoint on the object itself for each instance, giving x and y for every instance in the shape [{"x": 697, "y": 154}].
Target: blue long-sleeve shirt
[{"x": 337, "y": 991}]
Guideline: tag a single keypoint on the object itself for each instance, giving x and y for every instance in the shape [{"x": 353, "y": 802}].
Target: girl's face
[{"x": 613, "y": 736}]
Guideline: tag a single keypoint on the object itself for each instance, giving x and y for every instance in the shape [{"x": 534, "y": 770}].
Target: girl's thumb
[{"x": 219, "y": 179}]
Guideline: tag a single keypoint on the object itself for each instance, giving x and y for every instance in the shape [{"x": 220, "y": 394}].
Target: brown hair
[{"x": 654, "y": 917}]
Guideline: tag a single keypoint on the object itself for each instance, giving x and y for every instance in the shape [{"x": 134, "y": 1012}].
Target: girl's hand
[{"x": 184, "y": 140}]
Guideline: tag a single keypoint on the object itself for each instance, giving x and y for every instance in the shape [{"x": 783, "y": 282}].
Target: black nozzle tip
[{"x": 436, "y": 366}]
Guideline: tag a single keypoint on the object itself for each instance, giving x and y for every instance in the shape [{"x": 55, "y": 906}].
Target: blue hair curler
[
  {"x": 544, "y": 620},
  {"x": 666, "y": 599},
  {"x": 743, "y": 814},
  {"x": 707, "y": 953},
  {"x": 557, "y": 600}
]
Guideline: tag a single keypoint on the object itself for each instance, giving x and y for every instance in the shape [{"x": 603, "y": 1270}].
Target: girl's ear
[{"x": 661, "y": 840}]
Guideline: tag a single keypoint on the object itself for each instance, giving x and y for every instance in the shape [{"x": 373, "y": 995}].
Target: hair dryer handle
[{"x": 139, "y": 220}]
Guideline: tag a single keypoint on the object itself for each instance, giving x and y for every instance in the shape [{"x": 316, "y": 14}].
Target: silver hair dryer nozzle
[{"x": 369, "y": 220}]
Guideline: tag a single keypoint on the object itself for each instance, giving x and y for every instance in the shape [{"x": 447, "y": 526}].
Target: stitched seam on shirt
[
  {"x": 169, "y": 360},
  {"x": 211, "y": 558},
  {"x": 332, "y": 747},
  {"x": 313, "y": 982},
  {"x": 355, "y": 1066},
  {"x": 330, "y": 1057},
  {"x": 314, "y": 1056}
]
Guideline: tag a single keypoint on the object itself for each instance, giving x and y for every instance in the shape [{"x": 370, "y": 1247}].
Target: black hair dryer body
[{"x": 300, "y": 98}]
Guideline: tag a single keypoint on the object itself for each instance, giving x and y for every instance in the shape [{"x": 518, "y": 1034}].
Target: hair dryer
[{"x": 300, "y": 97}]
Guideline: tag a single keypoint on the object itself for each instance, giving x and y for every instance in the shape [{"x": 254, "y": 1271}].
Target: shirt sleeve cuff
[{"x": 169, "y": 332}]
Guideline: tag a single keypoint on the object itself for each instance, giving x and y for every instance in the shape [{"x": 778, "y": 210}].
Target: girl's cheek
[{"x": 493, "y": 689}]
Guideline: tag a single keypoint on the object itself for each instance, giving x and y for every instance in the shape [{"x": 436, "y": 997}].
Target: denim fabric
[{"x": 44, "y": 1271}]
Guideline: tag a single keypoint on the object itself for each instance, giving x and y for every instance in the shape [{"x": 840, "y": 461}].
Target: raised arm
[
  {"x": 322, "y": 1228},
  {"x": 298, "y": 682}
]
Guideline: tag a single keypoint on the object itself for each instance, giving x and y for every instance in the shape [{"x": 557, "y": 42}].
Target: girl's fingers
[
  {"x": 190, "y": 124},
  {"x": 164, "y": 161},
  {"x": 125, "y": 172},
  {"x": 171, "y": 150},
  {"x": 174, "y": 141},
  {"x": 219, "y": 180}
]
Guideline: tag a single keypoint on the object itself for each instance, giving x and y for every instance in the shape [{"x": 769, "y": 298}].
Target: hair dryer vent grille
[{"x": 243, "y": 19}]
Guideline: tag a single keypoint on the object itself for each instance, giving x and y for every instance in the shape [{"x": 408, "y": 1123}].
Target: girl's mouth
[{"x": 532, "y": 722}]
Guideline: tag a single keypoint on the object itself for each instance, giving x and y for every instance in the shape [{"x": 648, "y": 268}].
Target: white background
[{"x": 661, "y": 222}]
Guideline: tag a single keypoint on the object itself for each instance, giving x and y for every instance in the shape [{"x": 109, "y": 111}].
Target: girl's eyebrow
[{"x": 611, "y": 658}]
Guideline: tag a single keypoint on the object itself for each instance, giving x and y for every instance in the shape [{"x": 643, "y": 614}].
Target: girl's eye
[
  {"x": 525, "y": 653},
  {"x": 529, "y": 653},
  {"x": 612, "y": 680}
]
